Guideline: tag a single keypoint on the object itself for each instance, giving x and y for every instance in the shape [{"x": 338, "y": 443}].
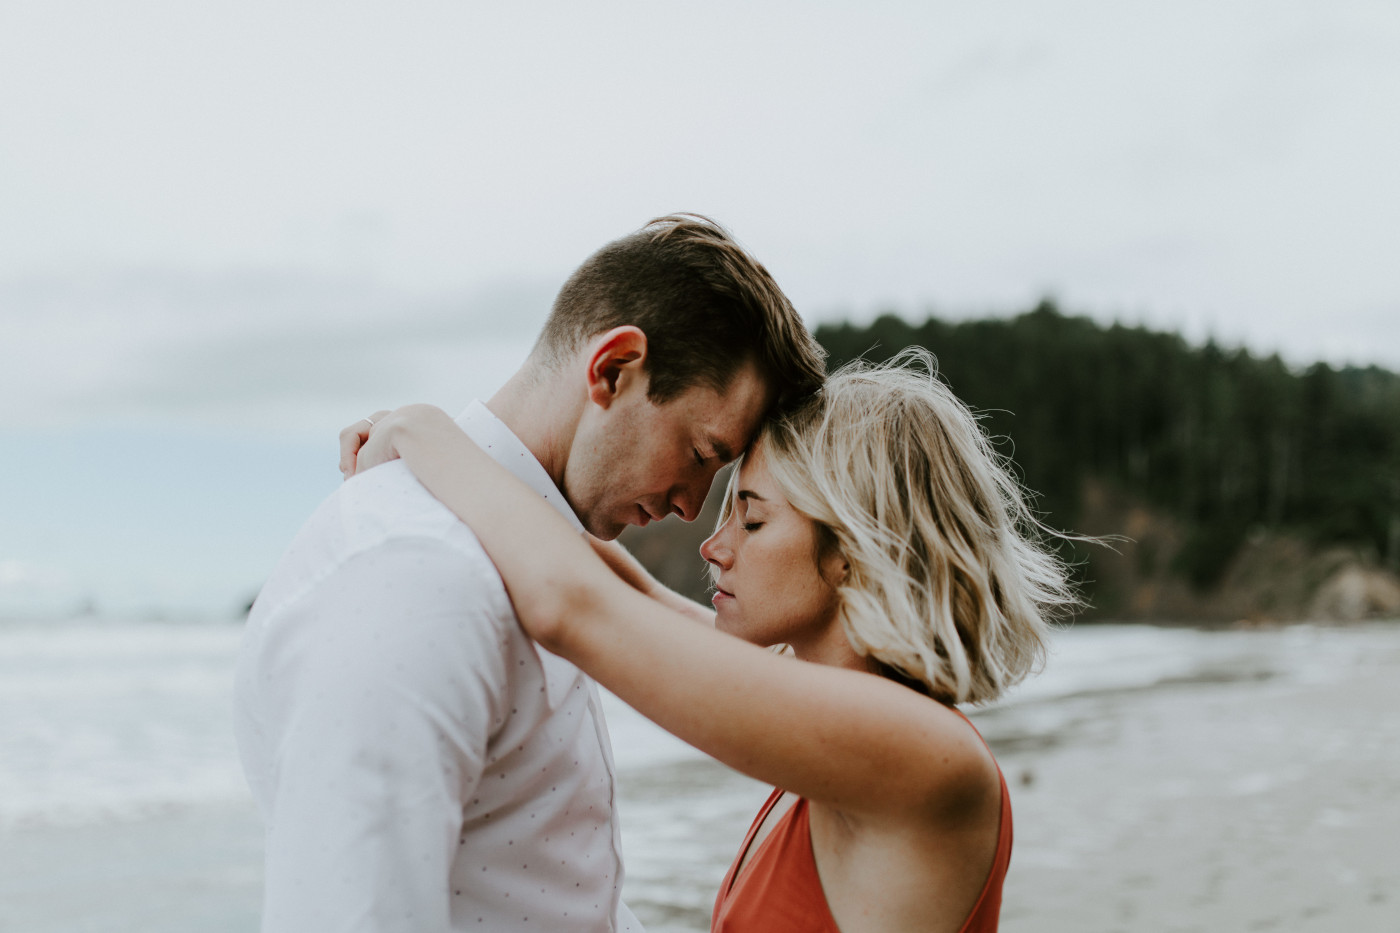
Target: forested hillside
[
  {"x": 1247, "y": 487},
  {"x": 1224, "y": 441}
]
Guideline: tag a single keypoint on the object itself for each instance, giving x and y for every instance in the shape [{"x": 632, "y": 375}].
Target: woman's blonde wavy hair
[{"x": 950, "y": 588}]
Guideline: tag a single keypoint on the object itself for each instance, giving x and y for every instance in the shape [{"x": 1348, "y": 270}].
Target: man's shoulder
[
  {"x": 388, "y": 503},
  {"x": 380, "y": 509},
  {"x": 369, "y": 520}
]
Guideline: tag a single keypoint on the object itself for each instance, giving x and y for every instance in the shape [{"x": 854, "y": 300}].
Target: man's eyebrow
[
  {"x": 721, "y": 449},
  {"x": 746, "y": 494}
]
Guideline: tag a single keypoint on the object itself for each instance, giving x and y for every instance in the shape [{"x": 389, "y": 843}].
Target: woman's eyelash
[{"x": 751, "y": 526}]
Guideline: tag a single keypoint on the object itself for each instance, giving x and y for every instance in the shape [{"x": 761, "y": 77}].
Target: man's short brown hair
[{"x": 705, "y": 305}]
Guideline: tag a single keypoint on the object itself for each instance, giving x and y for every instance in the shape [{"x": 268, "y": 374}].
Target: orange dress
[{"x": 780, "y": 891}]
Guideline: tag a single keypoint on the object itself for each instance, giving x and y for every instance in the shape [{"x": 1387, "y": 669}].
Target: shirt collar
[{"x": 493, "y": 436}]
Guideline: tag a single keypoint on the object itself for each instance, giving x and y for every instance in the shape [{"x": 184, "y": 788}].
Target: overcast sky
[{"x": 228, "y": 228}]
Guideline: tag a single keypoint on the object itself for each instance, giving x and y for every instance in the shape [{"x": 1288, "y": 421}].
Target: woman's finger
[{"x": 353, "y": 437}]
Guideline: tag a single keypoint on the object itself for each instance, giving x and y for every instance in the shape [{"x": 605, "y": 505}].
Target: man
[{"x": 421, "y": 765}]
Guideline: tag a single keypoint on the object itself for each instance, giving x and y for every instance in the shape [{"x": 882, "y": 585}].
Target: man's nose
[{"x": 688, "y": 501}]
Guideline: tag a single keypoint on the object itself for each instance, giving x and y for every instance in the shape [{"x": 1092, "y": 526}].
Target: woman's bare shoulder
[
  {"x": 950, "y": 780},
  {"x": 891, "y": 869}
]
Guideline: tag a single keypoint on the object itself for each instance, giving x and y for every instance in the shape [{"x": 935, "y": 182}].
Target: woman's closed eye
[{"x": 751, "y": 526}]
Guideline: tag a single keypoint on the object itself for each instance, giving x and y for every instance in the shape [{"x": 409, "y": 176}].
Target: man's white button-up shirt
[{"x": 421, "y": 765}]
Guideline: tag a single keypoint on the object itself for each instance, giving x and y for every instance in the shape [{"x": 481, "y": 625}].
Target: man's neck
[{"x": 538, "y": 408}]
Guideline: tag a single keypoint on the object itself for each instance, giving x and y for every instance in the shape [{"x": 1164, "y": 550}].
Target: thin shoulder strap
[{"x": 773, "y": 799}]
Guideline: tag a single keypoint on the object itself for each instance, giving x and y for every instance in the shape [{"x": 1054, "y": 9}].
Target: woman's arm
[
  {"x": 354, "y": 459},
  {"x": 848, "y": 739}
]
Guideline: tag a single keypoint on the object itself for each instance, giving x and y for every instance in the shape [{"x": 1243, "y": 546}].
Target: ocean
[{"x": 123, "y": 807}]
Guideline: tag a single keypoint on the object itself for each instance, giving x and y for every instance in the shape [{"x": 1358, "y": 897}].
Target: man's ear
[{"x": 615, "y": 363}]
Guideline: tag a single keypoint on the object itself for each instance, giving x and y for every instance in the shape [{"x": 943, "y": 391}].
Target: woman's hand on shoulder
[{"x": 374, "y": 440}]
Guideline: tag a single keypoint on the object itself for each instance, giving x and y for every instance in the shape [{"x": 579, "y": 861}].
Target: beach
[
  {"x": 1268, "y": 802},
  {"x": 1162, "y": 779}
]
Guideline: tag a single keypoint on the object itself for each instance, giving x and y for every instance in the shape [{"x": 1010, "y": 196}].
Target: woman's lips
[{"x": 720, "y": 596}]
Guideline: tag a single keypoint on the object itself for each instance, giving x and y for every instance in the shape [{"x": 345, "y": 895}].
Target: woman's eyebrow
[{"x": 746, "y": 494}]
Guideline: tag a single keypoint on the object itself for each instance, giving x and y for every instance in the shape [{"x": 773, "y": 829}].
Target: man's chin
[{"x": 605, "y": 531}]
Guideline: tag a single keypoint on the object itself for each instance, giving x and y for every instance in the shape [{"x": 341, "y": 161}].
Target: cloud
[
  {"x": 273, "y": 349},
  {"x": 1195, "y": 162}
]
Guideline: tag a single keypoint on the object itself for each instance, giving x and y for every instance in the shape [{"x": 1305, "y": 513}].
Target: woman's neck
[{"x": 834, "y": 650}]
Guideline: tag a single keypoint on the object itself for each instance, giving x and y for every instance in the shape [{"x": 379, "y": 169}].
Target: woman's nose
[{"x": 714, "y": 550}]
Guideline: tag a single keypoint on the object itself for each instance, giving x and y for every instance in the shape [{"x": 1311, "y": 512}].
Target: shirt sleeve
[{"x": 387, "y": 687}]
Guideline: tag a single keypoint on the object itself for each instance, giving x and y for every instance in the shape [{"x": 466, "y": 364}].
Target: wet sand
[
  {"x": 1271, "y": 802},
  {"x": 196, "y": 869}
]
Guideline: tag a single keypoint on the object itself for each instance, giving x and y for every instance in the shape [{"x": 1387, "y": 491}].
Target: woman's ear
[
  {"x": 833, "y": 567},
  {"x": 616, "y": 361}
]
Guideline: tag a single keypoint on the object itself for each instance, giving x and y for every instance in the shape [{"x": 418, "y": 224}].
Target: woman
[{"x": 875, "y": 533}]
